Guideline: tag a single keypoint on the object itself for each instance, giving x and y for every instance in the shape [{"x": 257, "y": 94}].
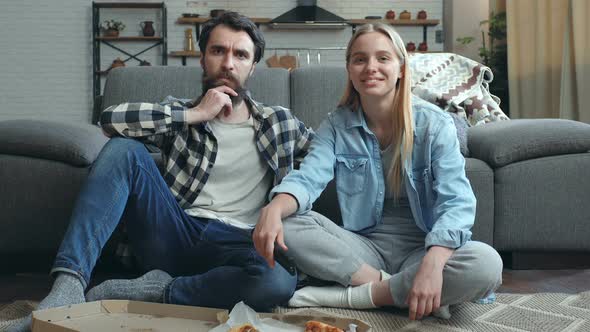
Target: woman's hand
[
  {"x": 425, "y": 294},
  {"x": 269, "y": 228}
]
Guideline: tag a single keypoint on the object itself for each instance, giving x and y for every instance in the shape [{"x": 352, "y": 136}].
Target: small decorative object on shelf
[
  {"x": 147, "y": 28},
  {"x": 144, "y": 63},
  {"x": 189, "y": 44},
  {"x": 373, "y": 17},
  {"x": 405, "y": 15},
  {"x": 216, "y": 12},
  {"x": 390, "y": 15},
  {"x": 421, "y": 15},
  {"x": 410, "y": 47},
  {"x": 111, "y": 28},
  {"x": 117, "y": 63},
  {"x": 423, "y": 47}
]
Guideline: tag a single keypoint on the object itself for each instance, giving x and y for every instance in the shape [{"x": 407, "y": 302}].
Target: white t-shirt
[{"x": 240, "y": 180}]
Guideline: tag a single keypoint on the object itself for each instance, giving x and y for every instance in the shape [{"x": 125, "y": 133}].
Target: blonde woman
[{"x": 407, "y": 206}]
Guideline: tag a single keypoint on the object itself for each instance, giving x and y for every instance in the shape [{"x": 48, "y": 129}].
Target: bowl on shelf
[
  {"x": 190, "y": 15},
  {"x": 405, "y": 15},
  {"x": 216, "y": 12}
]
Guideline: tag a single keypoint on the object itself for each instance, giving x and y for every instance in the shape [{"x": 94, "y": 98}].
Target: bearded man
[{"x": 190, "y": 227}]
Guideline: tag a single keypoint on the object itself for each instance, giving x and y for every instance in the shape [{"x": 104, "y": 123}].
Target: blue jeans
[{"x": 213, "y": 264}]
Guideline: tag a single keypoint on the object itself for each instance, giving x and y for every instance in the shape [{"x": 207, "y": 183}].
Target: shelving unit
[
  {"x": 97, "y": 40},
  {"x": 423, "y": 23},
  {"x": 185, "y": 54},
  {"x": 197, "y": 21}
]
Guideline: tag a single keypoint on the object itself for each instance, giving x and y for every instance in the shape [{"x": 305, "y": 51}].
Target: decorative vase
[
  {"x": 189, "y": 43},
  {"x": 423, "y": 47},
  {"x": 405, "y": 15},
  {"x": 111, "y": 33},
  {"x": 390, "y": 15},
  {"x": 410, "y": 47},
  {"x": 117, "y": 63},
  {"x": 147, "y": 28},
  {"x": 421, "y": 15}
]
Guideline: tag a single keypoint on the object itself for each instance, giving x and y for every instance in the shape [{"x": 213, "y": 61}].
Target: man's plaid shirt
[{"x": 190, "y": 151}]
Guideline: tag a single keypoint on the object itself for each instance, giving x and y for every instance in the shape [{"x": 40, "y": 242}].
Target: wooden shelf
[
  {"x": 130, "y": 38},
  {"x": 397, "y": 22},
  {"x": 260, "y": 20},
  {"x": 421, "y": 52},
  {"x": 195, "y": 20},
  {"x": 128, "y": 4},
  {"x": 188, "y": 54}
]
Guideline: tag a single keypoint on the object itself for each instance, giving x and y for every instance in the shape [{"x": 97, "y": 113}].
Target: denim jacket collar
[{"x": 356, "y": 118}]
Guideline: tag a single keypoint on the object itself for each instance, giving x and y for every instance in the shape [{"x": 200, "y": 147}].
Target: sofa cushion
[
  {"x": 315, "y": 91},
  {"x": 481, "y": 178},
  {"x": 153, "y": 84},
  {"x": 505, "y": 142},
  {"x": 542, "y": 204},
  {"x": 38, "y": 196},
  {"x": 73, "y": 143}
]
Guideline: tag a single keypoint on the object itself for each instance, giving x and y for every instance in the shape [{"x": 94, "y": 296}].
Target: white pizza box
[{"x": 123, "y": 315}]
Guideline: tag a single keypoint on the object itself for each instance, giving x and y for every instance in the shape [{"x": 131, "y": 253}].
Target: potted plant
[{"x": 111, "y": 28}]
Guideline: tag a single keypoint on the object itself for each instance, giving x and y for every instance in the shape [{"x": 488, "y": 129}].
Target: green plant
[
  {"x": 495, "y": 55},
  {"x": 112, "y": 25}
]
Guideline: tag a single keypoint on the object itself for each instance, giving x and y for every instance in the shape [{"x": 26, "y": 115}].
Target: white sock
[
  {"x": 311, "y": 296},
  {"x": 443, "y": 312},
  {"x": 358, "y": 297}
]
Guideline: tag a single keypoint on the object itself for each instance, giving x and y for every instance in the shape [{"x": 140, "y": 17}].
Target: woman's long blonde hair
[{"x": 402, "y": 139}]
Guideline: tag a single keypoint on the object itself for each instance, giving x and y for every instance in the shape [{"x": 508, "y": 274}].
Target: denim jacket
[{"x": 439, "y": 193}]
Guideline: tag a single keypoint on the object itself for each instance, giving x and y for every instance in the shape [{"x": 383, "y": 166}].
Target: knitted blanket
[{"x": 456, "y": 84}]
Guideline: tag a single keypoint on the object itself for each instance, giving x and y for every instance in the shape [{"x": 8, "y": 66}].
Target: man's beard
[{"x": 210, "y": 82}]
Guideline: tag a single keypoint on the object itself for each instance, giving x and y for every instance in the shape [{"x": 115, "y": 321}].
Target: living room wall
[{"x": 46, "y": 57}]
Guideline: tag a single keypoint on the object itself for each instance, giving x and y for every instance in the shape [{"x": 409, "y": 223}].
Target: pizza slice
[{"x": 315, "y": 326}]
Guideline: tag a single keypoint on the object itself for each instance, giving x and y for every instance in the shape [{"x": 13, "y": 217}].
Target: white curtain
[{"x": 549, "y": 58}]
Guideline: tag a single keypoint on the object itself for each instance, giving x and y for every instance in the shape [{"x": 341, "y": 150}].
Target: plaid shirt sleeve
[{"x": 136, "y": 120}]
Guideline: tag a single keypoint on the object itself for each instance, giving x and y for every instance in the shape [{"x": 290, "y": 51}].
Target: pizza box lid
[{"x": 123, "y": 315}]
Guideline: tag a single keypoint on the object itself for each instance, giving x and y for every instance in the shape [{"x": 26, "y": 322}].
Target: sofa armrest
[
  {"x": 506, "y": 142},
  {"x": 73, "y": 143}
]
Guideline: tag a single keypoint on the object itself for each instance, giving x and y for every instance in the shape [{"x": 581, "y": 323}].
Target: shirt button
[{"x": 380, "y": 193}]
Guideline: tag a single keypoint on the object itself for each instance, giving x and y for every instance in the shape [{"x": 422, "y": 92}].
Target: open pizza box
[{"x": 122, "y": 315}]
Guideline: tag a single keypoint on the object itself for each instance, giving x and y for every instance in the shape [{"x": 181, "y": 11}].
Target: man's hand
[
  {"x": 213, "y": 102},
  {"x": 269, "y": 228},
  {"x": 424, "y": 296}
]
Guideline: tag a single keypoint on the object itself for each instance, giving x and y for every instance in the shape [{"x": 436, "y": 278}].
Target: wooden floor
[{"x": 36, "y": 286}]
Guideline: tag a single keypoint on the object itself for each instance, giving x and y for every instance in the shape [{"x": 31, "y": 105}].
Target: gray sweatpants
[{"x": 326, "y": 251}]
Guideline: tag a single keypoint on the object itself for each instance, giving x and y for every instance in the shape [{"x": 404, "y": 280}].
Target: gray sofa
[{"x": 529, "y": 176}]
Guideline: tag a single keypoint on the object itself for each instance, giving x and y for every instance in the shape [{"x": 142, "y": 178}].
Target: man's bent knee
[{"x": 273, "y": 288}]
